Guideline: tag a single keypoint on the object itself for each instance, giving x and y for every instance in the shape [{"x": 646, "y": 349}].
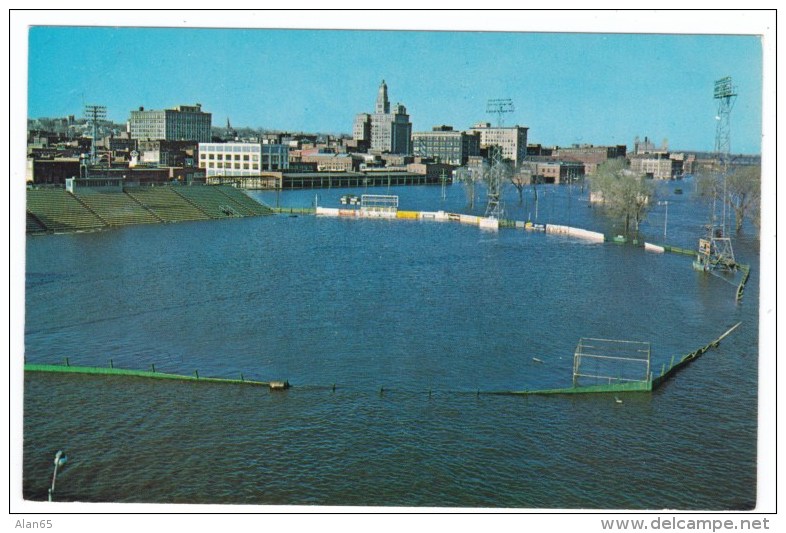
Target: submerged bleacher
[
  {"x": 33, "y": 225},
  {"x": 117, "y": 209},
  {"x": 245, "y": 202},
  {"x": 59, "y": 211},
  {"x": 166, "y": 204}
]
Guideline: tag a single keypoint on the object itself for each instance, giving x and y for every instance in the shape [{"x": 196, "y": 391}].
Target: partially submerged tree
[
  {"x": 622, "y": 194},
  {"x": 469, "y": 177},
  {"x": 523, "y": 176},
  {"x": 494, "y": 175},
  {"x": 741, "y": 190}
]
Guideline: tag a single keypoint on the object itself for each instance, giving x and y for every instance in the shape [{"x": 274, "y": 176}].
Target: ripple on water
[{"x": 406, "y": 306}]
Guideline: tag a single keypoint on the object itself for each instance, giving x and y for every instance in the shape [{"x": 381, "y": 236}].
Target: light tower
[
  {"x": 716, "y": 251},
  {"x": 499, "y": 107},
  {"x": 495, "y": 177},
  {"x": 496, "y": 171},
  {"x": 725, "y": 93},
  {"x": 94, "y": 113}
]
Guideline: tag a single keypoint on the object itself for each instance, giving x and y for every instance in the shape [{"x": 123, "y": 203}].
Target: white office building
[
  {"x": 242, "y": 159},
  {"x": 512, "y": 140}
]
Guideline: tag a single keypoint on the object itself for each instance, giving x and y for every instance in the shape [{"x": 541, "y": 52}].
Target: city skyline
[
  {"x": 594, "y": 83},
  {"x": 567, "y": 89}
]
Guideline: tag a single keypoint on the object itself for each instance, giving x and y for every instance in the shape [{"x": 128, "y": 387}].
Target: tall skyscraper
[
  {"x": 383, "y": 105},
  {"x": 385, "y": 131}
]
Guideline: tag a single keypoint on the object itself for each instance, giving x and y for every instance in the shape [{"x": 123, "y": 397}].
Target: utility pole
[{"x": 666, "y": 219}]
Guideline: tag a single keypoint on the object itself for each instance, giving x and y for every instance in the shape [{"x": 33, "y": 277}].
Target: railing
[{"x": 294, "y": 210}]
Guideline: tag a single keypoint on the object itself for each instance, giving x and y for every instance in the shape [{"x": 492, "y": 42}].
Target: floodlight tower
[
  {"x": 495, "y": 181},
  {"x": 499, "y": 107},
  {"x": 716, "y": 251},
  {"x": 725, "y": 93},
  {"x": 94, "y": 113},
  {"x": 496, "y": 171}
]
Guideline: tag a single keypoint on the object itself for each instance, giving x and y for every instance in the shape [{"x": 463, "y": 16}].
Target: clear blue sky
[{"x": 567, "y": 88}]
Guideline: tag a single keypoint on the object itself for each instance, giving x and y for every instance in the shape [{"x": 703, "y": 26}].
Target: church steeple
[{"x": 383, "y": 105}]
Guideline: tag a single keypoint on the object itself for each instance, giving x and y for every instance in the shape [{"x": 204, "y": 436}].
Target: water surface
[{"x": 409, "y": 320}]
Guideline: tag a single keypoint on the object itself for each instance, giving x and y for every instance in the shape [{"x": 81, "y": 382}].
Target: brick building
[{"x": 447, "y": 146}]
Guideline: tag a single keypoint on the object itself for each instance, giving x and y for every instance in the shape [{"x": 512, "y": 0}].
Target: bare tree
[
  {"x": 521, "y": 179},
  {"x": 469, "y": 178},
  {"x": 496, "y": 175},
  {"x": 743, "y": 193},
  {"x": 622, "y": 193},
  {"x": 740, "y": 189}
]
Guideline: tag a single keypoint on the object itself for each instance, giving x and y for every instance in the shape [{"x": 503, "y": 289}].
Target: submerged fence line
[
  {"x": 746, "y": 272},
  {"x": 650, "y": 384},
  {"x": 615, "y": 387},
  {"x": 67, "y": 368}
]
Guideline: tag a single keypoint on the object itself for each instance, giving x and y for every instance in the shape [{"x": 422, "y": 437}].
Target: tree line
[{"x": 627, "y": 196}]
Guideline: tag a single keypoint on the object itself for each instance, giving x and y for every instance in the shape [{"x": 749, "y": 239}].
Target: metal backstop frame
[
  {"x": 611, "y": 361},
  {"x": 379, "y": 205}
]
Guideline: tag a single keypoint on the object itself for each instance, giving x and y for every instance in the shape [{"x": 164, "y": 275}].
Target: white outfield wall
[
  {"x": 442, "y": 216},
  {"x": 578, "y": 233},
  {"x": 489, "y": 223},
  {"x": 359, "y": 213}
]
